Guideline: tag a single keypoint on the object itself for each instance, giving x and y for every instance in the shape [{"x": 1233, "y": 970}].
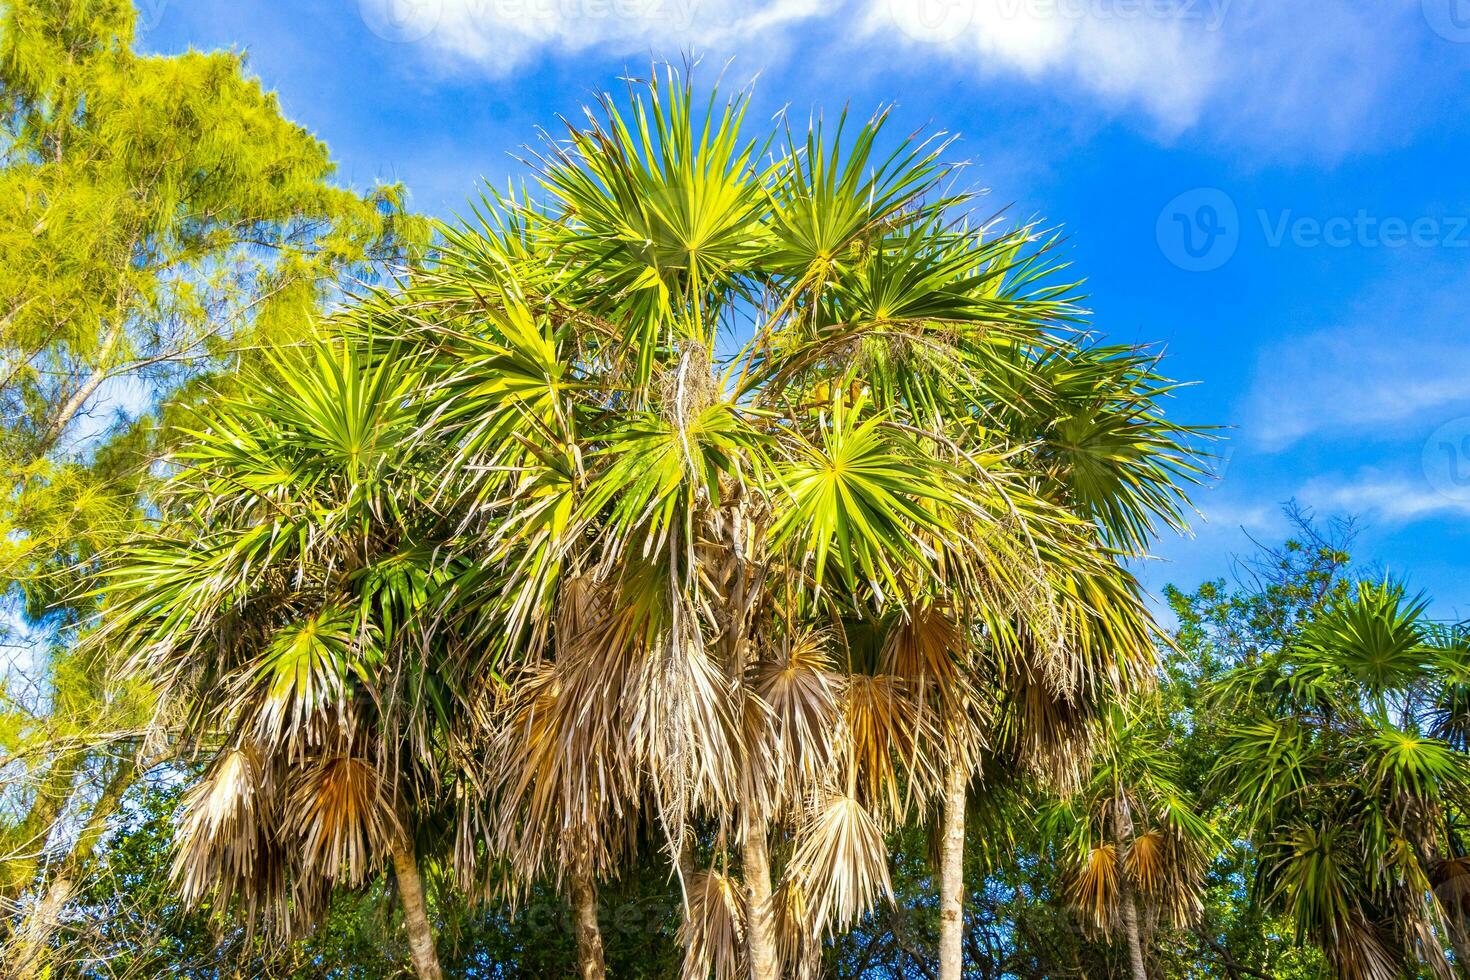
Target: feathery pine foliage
[{"x": 161, "y": 220}]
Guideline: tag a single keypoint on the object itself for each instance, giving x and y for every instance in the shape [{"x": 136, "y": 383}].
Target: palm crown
[{"x": 738, "y": 489}]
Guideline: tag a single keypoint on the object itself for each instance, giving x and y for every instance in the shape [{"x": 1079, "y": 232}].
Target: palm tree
[
  {"x": 290, "y": 601},
  {"x": 772, "y": 452},
  {"x": 1096, "y": 444},
  {"x": 1349, "y": 770},
  {"x": 1133, "y": 846}
]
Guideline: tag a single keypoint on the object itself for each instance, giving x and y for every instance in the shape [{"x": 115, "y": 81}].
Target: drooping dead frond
[
  {"x": 680, "y": 719},
  {"x": 798, "y": 938},
  {"x": 1094, "y": 886},
  {"x": 713, "y": 932},
  {"x": 1146, "y": 862},
  {"x": 883, "y": 729},
  {"x": 630, "y": 713},
  {"x": 226, "y": 820},
  {"x": 1050, "y": 734},
  {"x": 1451, "y": 882},
  {"x": 926, "y": 646},
  {"x": 552, "y": 777},
  {"x": 840, "y": 864},
  {"x": 802, "y": 692},
  {"x": 341, "y": 813},
  {"x": 1357, "y": 953}
]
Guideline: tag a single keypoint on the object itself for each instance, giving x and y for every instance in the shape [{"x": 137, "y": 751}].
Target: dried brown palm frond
[
  {"x": 713, "y": 932},
  {"x": 1049, "y": 734},
  {"x": 803, "y": 694},
  {"x": 1146, "y": 861},
  {"x": 551, "y": 778},
  {"x": 1451, "y": 882},
  {"x": 927, "y": 647},
  {"x": 1426, "y": 940},
  {"x": 840, "y": 864},
  {"x": 766, "y": 769},
  {"x": 226, "y": 816},
  {"x": 1094, "y": 885},
  {"x": 1451, "y": 887},
  {"x": 883, "y": 729},
  {"x": 626, "y": 714},
  {"x": 680, "y": 715},
  {"x": 798, "y": 939},
  {"x": 1357, "y": 952},
  {"x": 340, "y": 811},
  {"x": 580, "y": 604}
]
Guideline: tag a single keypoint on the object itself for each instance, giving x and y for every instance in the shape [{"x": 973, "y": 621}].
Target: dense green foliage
[
  {"x": 1022, "y": 921},
  {"x": 131, "y": 923}
]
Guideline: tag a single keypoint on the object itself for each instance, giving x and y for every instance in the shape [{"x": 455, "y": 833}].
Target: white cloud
[
  {"x": 497, "y": 36},
  {"x": 1265, "y": 73},
  {"x": 1235, "y": 515},
  {"x": 1161, "y": 55},
  {"x": 1339, "y": 381},
  {"x": 1400, "y": 359},
  {"x": 1392, "y": 500}
]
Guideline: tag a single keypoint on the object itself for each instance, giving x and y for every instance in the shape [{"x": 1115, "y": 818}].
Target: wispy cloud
[
  {"x": 1255, "y": 71},
  {"x": 1162, "y": 57},
  {"x": 1399, "y": 358},
  {"x": 1388, "y": 499},
  {"x": 498, "y": 36},
  {"x": 1339, "y": 381}
]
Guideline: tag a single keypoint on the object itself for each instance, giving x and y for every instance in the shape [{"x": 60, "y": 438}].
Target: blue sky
[{"x": 1277, "y": 192}]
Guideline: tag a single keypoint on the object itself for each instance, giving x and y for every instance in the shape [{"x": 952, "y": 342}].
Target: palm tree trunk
[
  {"x": 1123, "y": 820},
  {"x": 415, "y": 912},
  {"x": 952, "y": 876},
  {"x": 590, "y": 962},
  {"x": 1130, "y": 928},
  {"x": 760, "y": 929}
]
